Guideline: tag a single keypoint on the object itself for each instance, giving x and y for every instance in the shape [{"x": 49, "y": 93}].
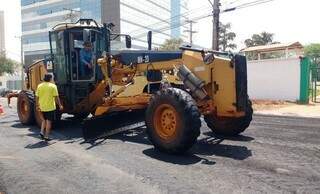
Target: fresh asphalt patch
[{"x": 275, "y": 155}]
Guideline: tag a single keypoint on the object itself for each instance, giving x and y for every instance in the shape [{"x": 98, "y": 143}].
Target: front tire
[
  {"x": 173, "y": 121},
  {"x": 230, "y": 126}
]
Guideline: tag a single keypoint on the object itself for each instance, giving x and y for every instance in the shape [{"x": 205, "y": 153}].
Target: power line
[
  {"x": 233, "y": 2},
  {"x": 172, "y": 26},
  {"x": 176, "y": 25},
  {"x": 185, "y": 14},
  {"x": 254, "y": 4},
  {"x": 248, "y": 4},
  {"x": 191, "y": 31}
]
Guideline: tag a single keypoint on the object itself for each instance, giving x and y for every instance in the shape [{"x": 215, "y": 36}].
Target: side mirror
[
  {"x": 149, "y": 40},
  {"x": 128, "y": 41}
]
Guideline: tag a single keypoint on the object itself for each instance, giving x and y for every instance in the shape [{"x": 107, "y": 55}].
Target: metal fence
[{"x": 315, "y": 84}]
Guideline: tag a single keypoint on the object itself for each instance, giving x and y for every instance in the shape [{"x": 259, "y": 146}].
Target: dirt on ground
[{"x": 286, "y": 108}]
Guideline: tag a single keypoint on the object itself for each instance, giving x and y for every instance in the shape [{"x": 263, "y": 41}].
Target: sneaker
[
  {"x": 47, "y": 139},
  {"x": 41, "y": 136}
]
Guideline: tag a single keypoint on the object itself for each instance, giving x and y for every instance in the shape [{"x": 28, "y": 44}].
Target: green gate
[{"x": 315, "y": 83}]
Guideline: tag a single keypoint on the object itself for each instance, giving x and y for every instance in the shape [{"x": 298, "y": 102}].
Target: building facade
[
  {"x": 2, "y": 35},
  {"x": 135, "y": 18}
]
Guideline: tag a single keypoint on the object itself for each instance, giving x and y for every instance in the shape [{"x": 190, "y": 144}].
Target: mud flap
[{"x": 110, "y": 124}]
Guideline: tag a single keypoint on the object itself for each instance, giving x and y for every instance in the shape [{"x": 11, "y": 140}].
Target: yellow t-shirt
[{"x": 46, "y": 92}]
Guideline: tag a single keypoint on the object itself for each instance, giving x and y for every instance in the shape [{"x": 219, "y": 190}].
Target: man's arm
[
  {"x": 58, "y": 102},
  {"x": 56, "y": 97},
  {"x": 37, "y": 103},
  {"x": 37, "y": 99}
]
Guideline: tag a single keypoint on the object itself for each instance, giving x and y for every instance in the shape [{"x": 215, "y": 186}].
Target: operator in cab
[{"x": 86, "y": 56}]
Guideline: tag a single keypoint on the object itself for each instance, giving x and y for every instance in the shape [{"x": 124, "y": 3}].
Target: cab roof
[{"x": 82, "y": 23}]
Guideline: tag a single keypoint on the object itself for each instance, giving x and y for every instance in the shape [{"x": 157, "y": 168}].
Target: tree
[
  {"x": 7, "y": 65},
  {"x": 313, "y": 52},
  {"x": 226, "y": 37},
  {"x": 264, "y": 38},
  {"x": 171, "y": 44}
]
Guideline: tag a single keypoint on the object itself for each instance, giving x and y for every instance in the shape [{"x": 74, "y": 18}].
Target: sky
[
  {"x": 289, "y": 20},
  {"x": 12, "y": 22}
]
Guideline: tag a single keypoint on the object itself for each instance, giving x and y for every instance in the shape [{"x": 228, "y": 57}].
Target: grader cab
[{"x": 174, "y": 89}]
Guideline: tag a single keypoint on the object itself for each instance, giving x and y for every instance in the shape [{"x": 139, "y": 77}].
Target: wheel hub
[{"x": 166, "y": 121}]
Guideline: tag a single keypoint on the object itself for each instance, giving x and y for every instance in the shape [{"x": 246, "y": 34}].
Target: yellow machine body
[{"x": 173, "y": 89}]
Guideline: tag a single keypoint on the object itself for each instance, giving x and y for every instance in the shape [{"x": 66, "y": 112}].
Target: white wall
[
  {"x": 6, "y": 77},
  {"x": 3, "y": 80},
  {"x": 274, "y": 79}
]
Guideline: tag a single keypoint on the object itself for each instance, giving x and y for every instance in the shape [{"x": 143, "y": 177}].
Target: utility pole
[
  {"x": 191, "y": 32},
  {"x": 215, "y": 21}
]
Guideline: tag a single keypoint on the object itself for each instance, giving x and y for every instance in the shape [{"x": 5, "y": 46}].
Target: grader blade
[{"x": 111, "y": 124}]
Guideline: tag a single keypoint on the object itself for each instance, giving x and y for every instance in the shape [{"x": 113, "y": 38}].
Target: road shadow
[
  {"x": 135, "y": 135},
  {"x": 40, "y": 144},
  {"x": 64, "y": 130},
  {"x": 10, "y": 121},
  {"x": 212, "y": 146},
  {"x": 70, "y": 131},
  {"x": 208, "y": 146},
  {"x": 183, "y": 159},
  {"x": 18, "y": 125},
  {"x": 240, "y": 138}
]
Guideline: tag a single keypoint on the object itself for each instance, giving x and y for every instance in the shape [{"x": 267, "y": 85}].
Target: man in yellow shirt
[{"x": 46, "y": 99}]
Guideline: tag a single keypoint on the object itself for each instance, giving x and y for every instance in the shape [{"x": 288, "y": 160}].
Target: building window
[{"x": 281, "y": 54}]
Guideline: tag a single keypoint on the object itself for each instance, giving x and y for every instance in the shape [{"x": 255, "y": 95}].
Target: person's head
[
  {"x": 87, "y": 45},
  {"x": 47, "y": 77}
]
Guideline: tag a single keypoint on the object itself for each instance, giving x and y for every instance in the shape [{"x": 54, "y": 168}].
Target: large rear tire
[
  {"x": 25, "y": 107},
  {"x": 173, "y": 121},
  {"x": 230, "y": 126}
]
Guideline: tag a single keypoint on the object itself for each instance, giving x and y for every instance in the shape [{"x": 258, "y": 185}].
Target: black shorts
[{"x": 49, "y": 115}]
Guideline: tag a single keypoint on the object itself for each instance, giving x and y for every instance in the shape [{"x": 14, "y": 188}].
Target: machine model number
[{"x": 142, "y": 59}]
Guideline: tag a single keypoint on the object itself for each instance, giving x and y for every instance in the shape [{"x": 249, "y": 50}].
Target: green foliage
[
  {"x": 7, "y": 65},
  {"x": 264, "y": 38},
  {"x": 226, "y": 37},
  {"x": 313, "y": 52},
  {"x": 171, "y": 44}
]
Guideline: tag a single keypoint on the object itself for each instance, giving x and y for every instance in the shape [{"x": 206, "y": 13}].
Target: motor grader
[{"x": 174, "y": 88}]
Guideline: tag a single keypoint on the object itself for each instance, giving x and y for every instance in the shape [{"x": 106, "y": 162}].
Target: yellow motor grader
[{"x": 174, "y": 89}]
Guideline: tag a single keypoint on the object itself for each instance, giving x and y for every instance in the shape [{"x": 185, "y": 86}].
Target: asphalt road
[{"x": 275, "y": 155}]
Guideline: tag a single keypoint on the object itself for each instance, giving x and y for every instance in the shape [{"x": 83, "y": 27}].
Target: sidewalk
[{"x": 287, "y": 109}]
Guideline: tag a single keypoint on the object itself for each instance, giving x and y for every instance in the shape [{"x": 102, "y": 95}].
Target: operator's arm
[{"x": 83, "y": 58}]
